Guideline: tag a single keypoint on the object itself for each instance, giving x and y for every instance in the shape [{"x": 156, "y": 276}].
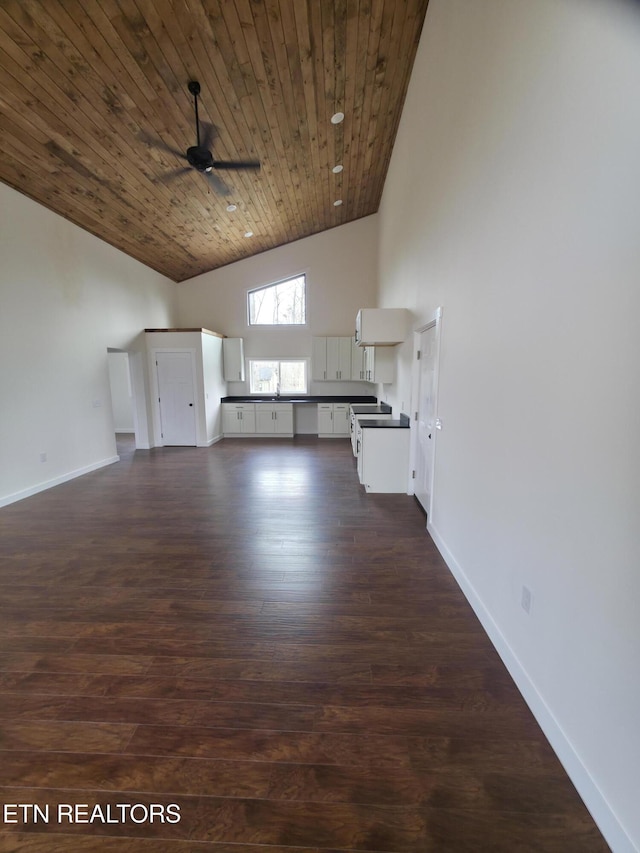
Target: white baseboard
[
  {"x": 211, "y": 441},
  {"x": 56, "y": 481},
  {"x": 592, "y": 796}
]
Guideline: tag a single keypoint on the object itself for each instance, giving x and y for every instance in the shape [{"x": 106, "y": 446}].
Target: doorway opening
[{"x": 127, "y": 399}]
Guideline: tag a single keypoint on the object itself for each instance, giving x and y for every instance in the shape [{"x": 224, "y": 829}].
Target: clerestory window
[{"x": 279, "y": 304}]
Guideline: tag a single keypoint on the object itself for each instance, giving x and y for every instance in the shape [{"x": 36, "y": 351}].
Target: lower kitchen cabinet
[
  {"x": 238, "y": 418},
  {"x": 260, "y": 419},
  {"x": 383, "y": 458},
  {"x": 374, "y": 415},
  {"x": 333, "y": 420},
  {"x": 274, "y": 419}
]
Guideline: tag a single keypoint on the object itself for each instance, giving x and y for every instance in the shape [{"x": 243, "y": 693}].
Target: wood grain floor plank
[
  {"x": 272, "y": 746},
  {"x": 242, "y": 631},
  {"x": 52, "y": 735},
  {"x": 22, "y": 842},
  {"x": 117, "y": 772}
]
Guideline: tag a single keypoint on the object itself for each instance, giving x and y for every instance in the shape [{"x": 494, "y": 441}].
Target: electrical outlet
[
  {"x": 526, "y": 599},
  {"x": 43, "y": 457}
]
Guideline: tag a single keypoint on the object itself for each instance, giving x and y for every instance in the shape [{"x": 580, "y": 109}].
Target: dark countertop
[
  {"x": 382, "y": 409},
  {"x": 284, "y": 398},
  {"x": 402, "y": 423}
]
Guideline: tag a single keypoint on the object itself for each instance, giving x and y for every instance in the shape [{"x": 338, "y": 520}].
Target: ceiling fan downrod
[{"x": 194, "y": 88}]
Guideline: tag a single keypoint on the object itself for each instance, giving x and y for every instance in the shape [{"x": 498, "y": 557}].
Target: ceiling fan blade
[
  {"x": 236, "y": 164},
  {"x": 219, "y": 186},
  {"x": 208, "y": 134},
  {"x": 158, "y": 143},
  {"x": 177, "y": 173}
]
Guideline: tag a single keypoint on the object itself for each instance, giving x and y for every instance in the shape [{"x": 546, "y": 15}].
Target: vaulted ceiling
[{"x": 96, "y": 117}]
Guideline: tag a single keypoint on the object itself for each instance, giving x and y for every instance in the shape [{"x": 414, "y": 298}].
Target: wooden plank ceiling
[{"x": 95, "y": 113}]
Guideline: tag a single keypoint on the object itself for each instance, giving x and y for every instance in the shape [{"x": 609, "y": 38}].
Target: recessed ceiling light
[
  {"x": 248, "y": 233},
  {"x": 337, "y": 169},
  {"x": 337, "y": 203},
  {"x": 232, "y": 207},
  {"x": 336, "y": 118}
]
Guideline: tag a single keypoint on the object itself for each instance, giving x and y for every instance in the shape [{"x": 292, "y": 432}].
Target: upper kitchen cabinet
[
  {"x": 379, "y": 365},
  {"x": 233, "y": 359},
  {"x": 377, "y": 327},
  {"x": 331, "y": 358},
  {"x": 371, "y": 364},
  {"x": 358, "y": 365}
]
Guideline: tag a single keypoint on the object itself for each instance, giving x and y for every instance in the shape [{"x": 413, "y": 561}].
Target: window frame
[
  {"x": 304, "y": 274},
  {"x": 305, "y": 360}
]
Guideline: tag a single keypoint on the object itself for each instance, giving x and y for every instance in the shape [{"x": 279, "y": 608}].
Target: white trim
[
  {"x": 56, "y": 481},
  {"x": 261, "y": 435},
  {"x": 211, "y": 441},
  {"x": 592, "y": 796},
  {"x": 155, "y": 391},
  {"x": 435, "y": 321}
]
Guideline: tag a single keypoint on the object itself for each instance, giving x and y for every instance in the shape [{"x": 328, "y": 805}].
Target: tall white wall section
[
  {"x": 513, "y": 201},
  {"x": 65, "y": 297}
]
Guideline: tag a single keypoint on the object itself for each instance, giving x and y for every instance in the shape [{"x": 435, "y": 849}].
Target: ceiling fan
[{"x": 199, "y": 156}]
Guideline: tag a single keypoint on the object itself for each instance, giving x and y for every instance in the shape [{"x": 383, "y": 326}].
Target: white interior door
[
  {"x": 426, "y": 417},
  {"x": 177, "y": 398}
]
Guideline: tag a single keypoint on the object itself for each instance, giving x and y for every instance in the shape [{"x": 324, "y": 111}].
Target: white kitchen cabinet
[
  {"x": 238, "y": 418},
  {"x": 357, "y": 361},
  {"x": 379, "y": 364},
  {"x": 383, "y": 458},
  {"x": 333, "y": 420},
  {"x": 319, "y": 358},
  {"x": 339, "y": 358},
  {"x": 325, "y": 419},
  {"x": 341, "y": 419},
  {"x": 331, "y": 358},
  {"x": 353, "y": 420},
  {"x": 381, "y": 326},
  {"x": 274, "y": 419},
  {"x": 233, "y": 359}
]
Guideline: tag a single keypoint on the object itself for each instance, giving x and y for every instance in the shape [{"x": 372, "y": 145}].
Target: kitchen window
[
  {"x": 278, "y": 376},
  {"x": 279, "y": 304}
]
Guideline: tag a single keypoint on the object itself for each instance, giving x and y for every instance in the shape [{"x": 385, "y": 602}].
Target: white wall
[
  {"x": 513, "y": 200},
  {"x": 341, "y": 268},
  {"x": 65, "y": 297},
  {"x": 215, "y": 386}
]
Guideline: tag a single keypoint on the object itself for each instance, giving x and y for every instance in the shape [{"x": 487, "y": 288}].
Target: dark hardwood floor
[{"x": 243, "y": 633}]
